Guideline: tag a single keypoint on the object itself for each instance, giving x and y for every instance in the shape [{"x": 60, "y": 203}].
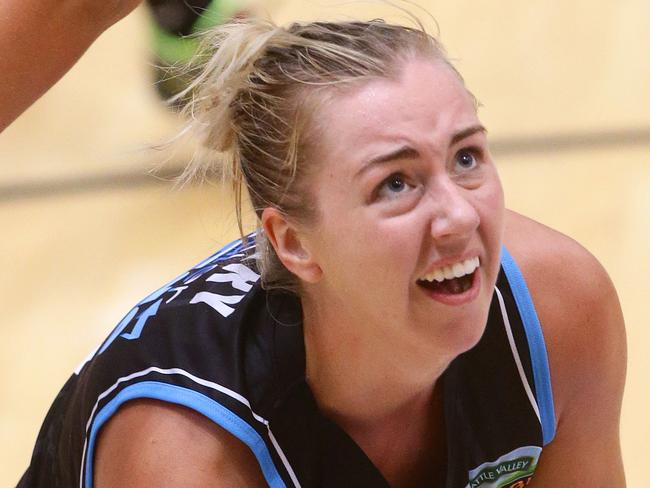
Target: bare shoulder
[
  {"x": 151, "y": 443},
  {"x": 584, "y": 333},
  {"x": 575, "y": 299},
  {"x": 553, "y": 259}
]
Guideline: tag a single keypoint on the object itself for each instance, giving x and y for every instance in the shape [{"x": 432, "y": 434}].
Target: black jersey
[{"x": 214, "y": 341}]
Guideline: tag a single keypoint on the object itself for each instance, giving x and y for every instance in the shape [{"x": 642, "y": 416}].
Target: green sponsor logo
[{"x": 491, "y": 474}]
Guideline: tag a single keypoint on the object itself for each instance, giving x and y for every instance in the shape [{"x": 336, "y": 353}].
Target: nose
[{"x": 455, "y": 216}]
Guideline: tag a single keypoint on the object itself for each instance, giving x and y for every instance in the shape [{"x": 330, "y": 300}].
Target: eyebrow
[
  {"x": 470, "y": 131},
  {"x": 407, "y": 152}
]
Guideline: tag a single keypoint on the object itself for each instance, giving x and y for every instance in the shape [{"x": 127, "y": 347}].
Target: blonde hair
[{"x": 252, "y": 102}]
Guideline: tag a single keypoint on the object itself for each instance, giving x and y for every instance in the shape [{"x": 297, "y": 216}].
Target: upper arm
[
  {"x": 41, "y": 40},
  {"x": 151, "y": 443},
  {"x": 585, "y": 338}
]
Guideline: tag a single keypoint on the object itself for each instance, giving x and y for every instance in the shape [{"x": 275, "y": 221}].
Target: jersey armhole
[
  {"x": 536, "y": 344},
  {"x": 193, "y": 400}
]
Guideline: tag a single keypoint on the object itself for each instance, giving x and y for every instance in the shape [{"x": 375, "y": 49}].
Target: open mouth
[
  {"x": 451, "y": 280},
  {"x": 453, "y": 286}
]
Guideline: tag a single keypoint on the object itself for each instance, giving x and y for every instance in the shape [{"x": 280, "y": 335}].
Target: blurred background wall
[{"x": 565, "y": 88}]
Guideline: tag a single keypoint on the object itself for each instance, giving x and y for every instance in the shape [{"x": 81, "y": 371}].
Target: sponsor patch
[{"x": 512, "y": 470}]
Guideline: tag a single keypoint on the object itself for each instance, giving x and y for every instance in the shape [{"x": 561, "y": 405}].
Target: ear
[{"x": 290, "y": 246}]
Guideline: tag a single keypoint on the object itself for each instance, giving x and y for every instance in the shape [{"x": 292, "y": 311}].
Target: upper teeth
[{"x": 453, "y": 271}]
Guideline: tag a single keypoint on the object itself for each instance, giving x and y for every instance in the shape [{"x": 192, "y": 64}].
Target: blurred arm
[{"x": 40, "y": 40}]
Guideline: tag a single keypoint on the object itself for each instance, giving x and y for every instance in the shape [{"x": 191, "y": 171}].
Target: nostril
[{"x": 457, "y": 222}]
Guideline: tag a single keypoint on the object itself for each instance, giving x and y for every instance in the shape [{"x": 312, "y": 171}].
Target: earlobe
[{"x": 290, "y": 246}]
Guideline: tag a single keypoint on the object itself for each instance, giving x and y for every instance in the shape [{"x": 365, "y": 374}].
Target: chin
[{"x": 465, "y": 332}]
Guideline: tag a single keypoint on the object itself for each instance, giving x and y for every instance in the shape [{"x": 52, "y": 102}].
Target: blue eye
[
  {"x": 392, "y": 186},
  {"x": 466, "y": 159},
  {"x": 395, "y": 183}
]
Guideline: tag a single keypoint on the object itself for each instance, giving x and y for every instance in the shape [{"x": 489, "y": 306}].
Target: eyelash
[{"x": 391, "y": 178}]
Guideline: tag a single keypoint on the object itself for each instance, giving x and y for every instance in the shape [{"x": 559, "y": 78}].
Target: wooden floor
[{"x": 564, "y": 88}]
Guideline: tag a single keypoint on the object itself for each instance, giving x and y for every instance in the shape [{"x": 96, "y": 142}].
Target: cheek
[
  {"x": 489, "y": 199},
  {"x": 356, "y": 244},
  {"x": 490, "y": 205}
]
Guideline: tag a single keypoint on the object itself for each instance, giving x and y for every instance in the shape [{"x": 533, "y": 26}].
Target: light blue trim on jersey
[
  {"x": 223, "y": 253},
  {"x": 195, "y": 401},
  {"x": 235, "y": 245},
  {"x": 536, "y": 345},
  {"x": 226, "y": 251},
  {"x": 155, "y": 295}
]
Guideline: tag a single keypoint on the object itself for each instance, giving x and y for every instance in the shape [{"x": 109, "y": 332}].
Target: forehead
[{"x": 424, "y": 104}]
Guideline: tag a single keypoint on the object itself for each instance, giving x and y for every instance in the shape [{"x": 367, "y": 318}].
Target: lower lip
[{"x": 459, "y": 298}]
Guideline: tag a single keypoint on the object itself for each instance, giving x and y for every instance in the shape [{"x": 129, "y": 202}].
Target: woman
[{"x": 391, "y": 340}]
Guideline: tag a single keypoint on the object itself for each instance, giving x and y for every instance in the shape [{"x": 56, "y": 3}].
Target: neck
[
  {"x": 382, "y": 393},
  {"x": 364, "y": 377}
]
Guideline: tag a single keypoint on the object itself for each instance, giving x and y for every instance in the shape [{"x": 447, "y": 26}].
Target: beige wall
[{"x": 74, "y": 262}]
